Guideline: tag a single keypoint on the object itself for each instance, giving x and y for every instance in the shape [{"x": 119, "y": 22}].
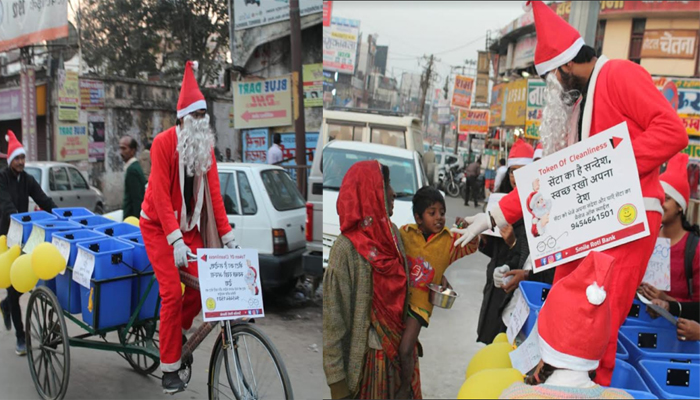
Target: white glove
[
  {"x": 180, "y": 251},
  {"x": 498, "y": 274},
  {"x": 477, "y": 224},
  {"x": 231, "y": 244}
]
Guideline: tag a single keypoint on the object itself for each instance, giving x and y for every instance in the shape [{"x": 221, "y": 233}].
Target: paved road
[
  {"x": 450, "y": 340},
  {"x": 294, "y": 329}
]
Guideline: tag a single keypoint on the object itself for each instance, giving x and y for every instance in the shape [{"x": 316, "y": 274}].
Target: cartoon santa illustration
[
  {"x": 250, "y": 279},
  {"x": 539, "y": 207}
]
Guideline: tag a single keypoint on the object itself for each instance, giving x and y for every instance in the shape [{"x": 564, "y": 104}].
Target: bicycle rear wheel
[{"x": 250, "y": 368}]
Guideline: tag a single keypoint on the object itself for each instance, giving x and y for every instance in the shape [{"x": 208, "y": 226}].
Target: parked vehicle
[
  {"x": 373, "y": 126},
  {"x": 267, "y": 213},
  {"x": 65, "y": 185},
  {"x": 312, "y": 258},
  {"x": 451, "y": 181},
  {"x": 407, "y": 176}
]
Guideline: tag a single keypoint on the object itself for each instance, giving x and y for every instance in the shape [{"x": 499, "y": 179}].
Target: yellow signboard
[
  {"x": 515, "y": 101},
  {"x": 262, "y": 103},
  {"x": 71, "y": 142},
  {"x": 68, "y": 96},
  {"x": 313, "y": 85}
]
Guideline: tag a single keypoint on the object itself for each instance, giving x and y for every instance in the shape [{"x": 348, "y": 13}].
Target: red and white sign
[
  {"x": 262, "y": 103},
  {"x": 28, "y": 87},
  {"x": 23, "y": 23},
  {"x": 583, "y": 198},
  {"x": 327, "y": 11},
  {"x": 462, "y": 93}
]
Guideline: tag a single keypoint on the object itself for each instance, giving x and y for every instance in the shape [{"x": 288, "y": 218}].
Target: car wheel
[{"x": 98, "y": 209}]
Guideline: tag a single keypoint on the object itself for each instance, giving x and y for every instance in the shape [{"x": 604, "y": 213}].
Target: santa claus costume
[
  {"x": 618, "y": 91},
  {"x": 181, "y": 212}
]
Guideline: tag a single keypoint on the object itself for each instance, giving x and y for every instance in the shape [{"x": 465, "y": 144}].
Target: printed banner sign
[
  {"x": 536, "y": 92},
  {"x": 24, "y": 23},
  {"x": 68, "y": 95},
  {"x": 96, "y": 136},
  {"x": 229, "y": 283},
  {"x": 255, "y": 146},
  {"x": 667, "y": 43},
  {"x": 313, "y": 85},
  {"x": 684, "y": 96},
  {"x": 658, "y": 272},
  {"x": 516, "y": 103},
  {"x": 92, "y": 95},
  {"x": 10, "y": 104},
  {"x": 28, "y": 87},
  {"x": 585, "y": 197},
  {"x": 443, "y": 112},
  {"x": 340, "y": 45},
  {"x": 474, "y": 121},
  {"x": 289, "y": 150},
  {"x": 327, "y": 11},
  {"x": 497, "y": 104},
  {"x": 251, "y": 13},
  {"x": 462, "y": 93},
  {"x": 71, "y": 142},
  {"x": 263, "y": 103}
]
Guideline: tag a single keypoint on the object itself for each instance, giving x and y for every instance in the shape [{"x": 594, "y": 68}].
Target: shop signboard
[
  {"x": 535, "y": 105},
  {"x": 516, "y": 103}
]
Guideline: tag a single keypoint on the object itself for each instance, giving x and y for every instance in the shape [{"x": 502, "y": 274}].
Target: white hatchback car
[
  {"x": 407, "y": 176},
  {"x": 65, "y": 185}
]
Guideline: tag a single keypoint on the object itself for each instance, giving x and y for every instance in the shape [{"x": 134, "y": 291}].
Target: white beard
[
  {"x": 557, "y": 112},
  {"x": 194, "y": 143}
]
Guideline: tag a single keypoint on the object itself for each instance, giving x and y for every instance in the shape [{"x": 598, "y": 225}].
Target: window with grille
[{"x": 637, "y": 39}]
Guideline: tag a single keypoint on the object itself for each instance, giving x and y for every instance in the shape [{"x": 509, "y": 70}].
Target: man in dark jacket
[
  {"x": 16, "y": 186},
  {"x": 472, "y": 174},
  {"x": 134, "y": 178}
]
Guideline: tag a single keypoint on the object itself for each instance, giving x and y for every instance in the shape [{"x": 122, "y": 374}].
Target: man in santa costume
[
  {"x": 181, "y": 212},
  {"x": 587, "y": 95}
]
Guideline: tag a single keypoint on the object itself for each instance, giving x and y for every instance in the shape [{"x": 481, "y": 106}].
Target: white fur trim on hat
[
  {"x": 519, "y": 161},
  {"x": 7, "y": 138},
  {"x": 565, "y": 361},
  {"x": 538, "y": 153},
  {"x": 675, "y": 195},
  {"x": 595, "y": 294},
  {"x": 563, "y": 58},
  {"x": 533, "y": 200},
  {"x": 197, "y": 105},
  {"x": 15, "y": 154},
  {"x": 195, "y": 65}
]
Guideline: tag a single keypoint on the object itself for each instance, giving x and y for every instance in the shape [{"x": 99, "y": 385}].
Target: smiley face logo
[
  {"x": 627, "y": 214},
  {"x": 211, "y": 304}
]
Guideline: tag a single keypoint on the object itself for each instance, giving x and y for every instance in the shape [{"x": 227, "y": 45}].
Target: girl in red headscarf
[{"x": 364, "y": 291}]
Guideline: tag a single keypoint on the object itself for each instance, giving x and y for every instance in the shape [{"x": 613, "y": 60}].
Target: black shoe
[
  {"x": 5, "y": 311},
  {"x": 21, "y": 347},
  {"x": 172, "y": 383}
]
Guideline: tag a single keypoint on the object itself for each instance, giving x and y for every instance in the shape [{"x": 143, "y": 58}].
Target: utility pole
[
  {"x": 426, "y": 80},
  {"x": 584, "y": 18},
  {"x": 442, "y": 128},
  {"x": 298, "y": 94}
]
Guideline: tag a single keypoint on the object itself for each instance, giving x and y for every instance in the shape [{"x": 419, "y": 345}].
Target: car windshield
[
  {"x": 35, "y": 173},
  {"x": 336, "y": 163},
  {"x": 282, "y": 190}
]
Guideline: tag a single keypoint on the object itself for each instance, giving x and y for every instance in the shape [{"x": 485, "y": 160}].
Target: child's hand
[{"x": 461, "y": 223}]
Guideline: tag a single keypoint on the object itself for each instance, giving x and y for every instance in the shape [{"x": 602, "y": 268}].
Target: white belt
[
  {"x": 653, "y": 204},
  {"x": 143, "y": 214}
]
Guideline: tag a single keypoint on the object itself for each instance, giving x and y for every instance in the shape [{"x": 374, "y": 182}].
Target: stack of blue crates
[
  {"x": 140, "y": 284},
  {"x": 51, "y": 226}
]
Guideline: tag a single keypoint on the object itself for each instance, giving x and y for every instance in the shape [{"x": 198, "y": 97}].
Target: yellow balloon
[
  {"x": 47, "y": 261},
  {"x": 6, "y": 260},
  {"x": 132, "y": 220},
  {"x": 22, "y": 274},
  {"x": 500, "y": 338},
  {"x": 492, "y": 356},
  {"x": 489, "y": 383},
  {"x": 109, "y": 217},
  {"x": 3, "y": 244},
  {"x": 183, "y": 288}
]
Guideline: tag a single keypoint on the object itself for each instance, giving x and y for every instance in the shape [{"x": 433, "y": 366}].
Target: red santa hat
[
  {"x": 532, "y": 200},
  {"x": 538, "y": 151},
  {"x": 14, "y": 147},
  {"x": 520, "y": 154},
  {"x": 557, "y": 41},
  {"x": 574, "y": 322},
  {"x": 255, "y": 273},
  {"x": 191, "y": 98},
  {"x": 675, "y": 180}
]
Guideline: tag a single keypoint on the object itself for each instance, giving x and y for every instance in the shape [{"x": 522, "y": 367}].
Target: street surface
[{"x": 294, "y": 326}]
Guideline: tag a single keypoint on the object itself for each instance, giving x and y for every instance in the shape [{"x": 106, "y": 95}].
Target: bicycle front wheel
[{"x": 247, "y": 367}]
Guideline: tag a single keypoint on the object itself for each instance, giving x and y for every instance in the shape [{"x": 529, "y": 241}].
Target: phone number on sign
[{"x": 593, "y": 218}]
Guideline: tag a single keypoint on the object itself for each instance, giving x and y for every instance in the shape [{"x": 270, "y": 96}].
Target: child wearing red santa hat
[{"x": 572, "y": 329}]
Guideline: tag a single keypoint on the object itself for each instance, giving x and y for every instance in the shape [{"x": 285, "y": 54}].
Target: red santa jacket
[
  {"x": 164, "y": 199},
  {"x": 621, "y": 90}
]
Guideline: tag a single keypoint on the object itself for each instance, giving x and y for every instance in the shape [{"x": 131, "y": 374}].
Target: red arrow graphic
[
  {"x": 63, "y": 151},
  {"x": 247, "y": 116},
  {"x": 615, "y": 141}
]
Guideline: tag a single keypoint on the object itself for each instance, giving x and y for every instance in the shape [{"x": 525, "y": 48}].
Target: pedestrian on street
[
  {"x": 16, "y": 186},
  {"x": 365, "y": 291},
  {"x": 145, "y": 160},
  {"x": 429, "y": 160},
  {"x": 472, "y": 174},
  {"x": 134, "y": 179},
  {"x": 609, "y": 92},
  {"x": 572, "y": 333},
  {"x": 182, "y": 212},
  {"x": 274, "y": 153},
  {"x": 500, "y": 174}
]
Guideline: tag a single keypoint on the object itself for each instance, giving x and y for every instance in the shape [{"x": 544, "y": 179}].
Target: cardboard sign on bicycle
[
  {"x": 229, "y": 284},
  {"x": 583, "y": 198}
]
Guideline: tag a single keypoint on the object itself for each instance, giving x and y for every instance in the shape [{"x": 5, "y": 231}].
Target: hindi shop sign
[
  {"x": 583, "y": 198},
  {"x": 229, "y": 283},
  {"x": 667, "y": 43},
  {"x": 23, "y": 23},
  {"x": 536, "y": 91},
  {"x": 262, "y": 103},
  {"x": 71, "y": 142},
  {"x": 340, "y": 45},
  {"x": 68, "y": 95},
  {"x": 249, "y": 14},
  {"x": 462, "y": 93},
  {"x": 255, "y": 146},
  {"x": 474, "y": 121}
]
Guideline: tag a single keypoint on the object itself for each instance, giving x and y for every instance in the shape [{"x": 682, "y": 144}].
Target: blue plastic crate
[
  {"x": 151, "y": 306},
  {"x": 626, "y": 377},
  {"x": 92, "y": 221},
  {"x": 113, "y": 257},
  {"x": 52, "y": 226},
  {"x": 118, "y": 229},
  {"x": 68, "y": 291},
  {"x": 65, "y": 213},
  {"x": 622, "y": 353},
  {"x": 638, "y": 315},
  {"x": 650, "y": 342},
  {"x": 50, "y": 284},
  {"x": 535, "y": 293},
  {"x": 670, "y": 380},
  {"x": 26, "y": 220},
  {"x": 107, "y": 303}
]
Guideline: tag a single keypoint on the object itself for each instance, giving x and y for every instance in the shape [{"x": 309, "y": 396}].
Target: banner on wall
[
  {"x": 251, "y": 13},
  {"x": 92, "y": 94},
  {"x": 23, "y": 23},
  {"x": 313, "y": 85},
  {"x": 28, "y": 88},
  {"x": 462, "y": 92},
  {"x": 263, "y": 103},
  {"x": 474, "y": 121},
  {"x": 71, "y": 142},
  {"x": 96, "y": 136},
  {"x": 68, "y": 95},
  {"x": 535, "y": 104},
  {"x": 516, "y": 103},
  {"x": 340, "y": 45},
  {"x": 255, "y": 146},
  {"x": 497, "y": 104}
]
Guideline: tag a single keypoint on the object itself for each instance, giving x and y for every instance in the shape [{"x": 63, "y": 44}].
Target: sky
[{"x": 452, "y": 30}]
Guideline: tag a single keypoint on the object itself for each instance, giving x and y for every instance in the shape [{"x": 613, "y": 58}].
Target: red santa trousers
[
  {"x": 177, "y": 311},
  {"x": 631, "y": 261}
]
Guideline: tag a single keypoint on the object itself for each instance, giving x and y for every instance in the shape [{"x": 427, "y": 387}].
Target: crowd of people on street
[{"x": 379, "y": 276}]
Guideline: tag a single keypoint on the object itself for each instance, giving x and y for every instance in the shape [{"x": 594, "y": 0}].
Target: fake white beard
[
  {"x": 194, "y": 143},
  {"x": 555, "y": 116}
]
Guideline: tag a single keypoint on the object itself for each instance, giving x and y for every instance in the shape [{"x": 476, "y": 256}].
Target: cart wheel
[
  {"x": 48, "y": 350},
  {"x": 141, "y": 336}
]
